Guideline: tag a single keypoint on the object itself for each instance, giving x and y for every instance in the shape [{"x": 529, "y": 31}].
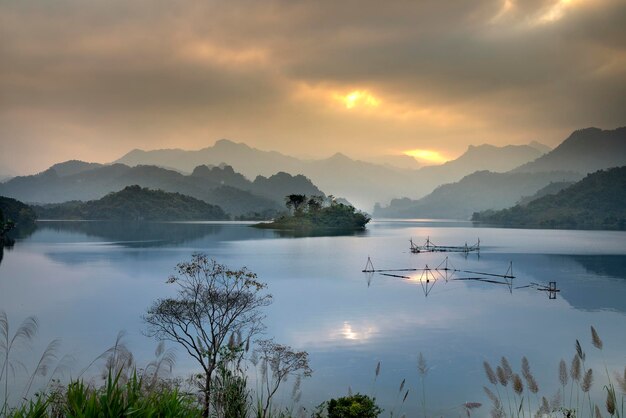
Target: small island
[{"x": 316, "y": 213}]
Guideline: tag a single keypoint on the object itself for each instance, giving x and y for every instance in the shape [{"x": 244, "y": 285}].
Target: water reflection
[
  {"x": 334, "y": 232},
  {"x": 347, "y": 320},
  {"x": 135, "y": 234}
]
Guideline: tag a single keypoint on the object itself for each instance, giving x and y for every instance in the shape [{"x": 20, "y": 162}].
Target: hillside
[
  {"x": 362, "y": 183},
  {"x": 16, "y": 212},
  {"x": 216, "y": 185},
  {"x": 596, "y": 202},
  {"x": 478, "y": 191},
  {"x": 584, "y": 151},
  {"x": 551, "y": 188},
  {"x": 135, "y": 203}
]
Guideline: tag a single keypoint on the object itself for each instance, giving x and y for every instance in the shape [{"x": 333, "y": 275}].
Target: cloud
[{"x": 182, "y": 74}]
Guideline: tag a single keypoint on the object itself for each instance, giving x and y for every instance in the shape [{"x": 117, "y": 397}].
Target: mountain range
[
  {"x": 484, "y": 177},
  {"x": 583, "y": 151},
  {"x": 362, "y": 183},
  {"x": 135, "y": 203},
  {"x": 596, "y": 202},
  {"x": 221, "y": 185}
]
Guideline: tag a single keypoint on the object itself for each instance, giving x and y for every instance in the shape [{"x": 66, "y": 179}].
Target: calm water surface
[{"x": 86, "y": 281}]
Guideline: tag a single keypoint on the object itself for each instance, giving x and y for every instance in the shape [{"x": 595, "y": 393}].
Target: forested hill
[
  {"x": 221, "y": 185},
  {"x": 596, "y": 202},
  {"x": 16, "y": 212},
  {"x": 135, "y": 203}
]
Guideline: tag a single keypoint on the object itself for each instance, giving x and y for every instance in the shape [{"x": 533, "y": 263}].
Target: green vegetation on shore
[
  {"x": 596, "y": 202},
  {"x": 135, "y": 203},
  {"x": 313, "y": 213},
  {"x": 14, "y": 214}
]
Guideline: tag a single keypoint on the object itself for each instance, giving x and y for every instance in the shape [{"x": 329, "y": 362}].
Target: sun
[
  {"x": 426, "y": 155},
  {"x": 358, "y": 98}
]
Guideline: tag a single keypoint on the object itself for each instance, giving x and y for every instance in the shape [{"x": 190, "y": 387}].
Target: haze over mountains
[
  {"x": 596, "y": 202},
  {"x": 362, "y": 183},
  {"x": 222, "y": 186},
  {"x": 484, "y": 177},
  {"x": 583, "y": 151}
]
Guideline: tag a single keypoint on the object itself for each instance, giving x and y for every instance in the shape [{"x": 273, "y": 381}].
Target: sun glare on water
[
  {"x": 358, "y": 98},
  {"x": 426, "y": 155}
]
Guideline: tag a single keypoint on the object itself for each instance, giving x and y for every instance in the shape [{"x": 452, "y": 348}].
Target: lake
[{"x": 86, "y": 281}]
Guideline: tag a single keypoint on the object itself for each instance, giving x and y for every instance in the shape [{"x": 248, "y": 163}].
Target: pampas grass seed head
[
  {"x": 507, "y": 368},
  {"x": 595, "y": 339},
  {"x": 490, "y": 374},
  {"x": 610, "y": 402},
  {"x": 518, "y": 386},
  {"x": 563, "y": 378},
  {"x": 598, "y": 414},
  {"x": 502, "y": 377},
  {"x": 421, "y": 365},
  {"x": 587, "y": 381},
  {"x": 621, "y": 381},
  {"x": 580, "y": 351},
  {"x": 575, "y": 368}
]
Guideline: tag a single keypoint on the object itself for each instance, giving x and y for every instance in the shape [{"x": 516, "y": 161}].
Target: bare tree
[
  {"x": 282, "y": 361},
  {"x": 212, "y": 304}
]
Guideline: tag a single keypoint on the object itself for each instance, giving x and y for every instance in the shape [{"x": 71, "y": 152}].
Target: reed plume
[
  {"x": 490, "y": 374},
  {"x": 544, "y": 409},
  {"x": 502, "y": 377},
  {"x": 490, "y": 394},
  {"x": 24, "y": 334},
  {"x": 598, "y": 414},
  {"x": 496, "y": 410},
  {"x": 555, "y": 402},
  {"x": 421, "y": 365},
  {"x": 595, "y": 339},
  {"x": 507, "y": 368},
  {"x": 575, "y": 368},
  {"x": 422, "y": 368},
  {"x": 528, "y": 376},
  {"x": 563, "y": 377},
  {"x": 610, "y": 402},
  {"x": 621, "y": 381},
  {"x": 587, "y": 381},
  {"x": 518, "y": 385},
  {"x": 579, "y": 351},
  {"x": 469, "y": 406}
]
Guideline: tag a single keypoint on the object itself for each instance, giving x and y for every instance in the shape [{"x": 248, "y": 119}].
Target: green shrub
[{"x": 353, "y": 406}]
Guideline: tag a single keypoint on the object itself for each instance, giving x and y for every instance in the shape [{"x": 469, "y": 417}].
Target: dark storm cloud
[{"x": 182, "y": 74}]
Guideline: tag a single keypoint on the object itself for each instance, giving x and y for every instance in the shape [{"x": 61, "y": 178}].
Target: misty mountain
[
  {"x": 402, "y": 162},
  {"x": 244, "y": 159},
  {"x": 135, "y": 203},
  {"x": 543, "y": 148},
  {"x": 596, "y": 202},
  {"x": 476, "y": 158},
  {"x": 584, "y": 151},
  {"x": 479, "y": 191},
  {"x": 551, "y": 188},
  {"x": 362, "y": 183},
  {"x": 220, "y": 186},
  {"x": 68, "y": 168}
]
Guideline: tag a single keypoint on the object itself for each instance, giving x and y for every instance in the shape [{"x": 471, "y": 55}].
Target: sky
[{"x": 92, "y": 80}]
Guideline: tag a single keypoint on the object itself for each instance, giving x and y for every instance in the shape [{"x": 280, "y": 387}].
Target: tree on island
[
  {"x": 295, "y": 201},
  {"x": 318, "y": 213}
]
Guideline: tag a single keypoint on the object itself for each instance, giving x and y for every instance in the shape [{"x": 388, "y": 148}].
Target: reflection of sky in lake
[{"x": 87, "y": 281}]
